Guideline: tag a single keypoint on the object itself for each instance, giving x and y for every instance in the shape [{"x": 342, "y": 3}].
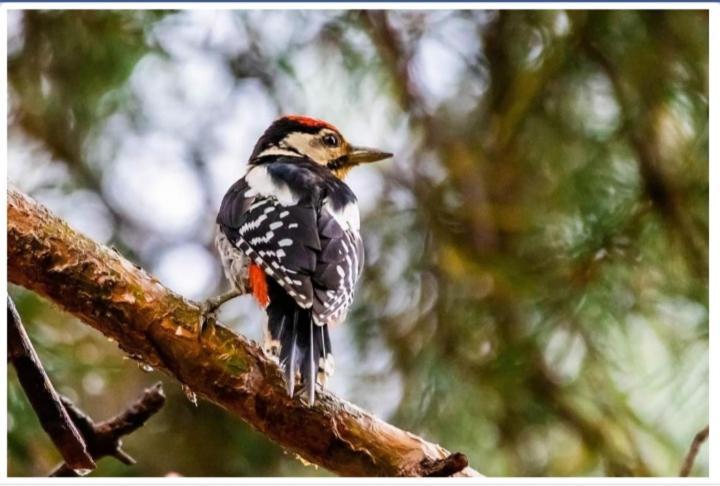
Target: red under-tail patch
[
  {"x": 309, "y": 121},
  {"x": 258, "y": 284}
]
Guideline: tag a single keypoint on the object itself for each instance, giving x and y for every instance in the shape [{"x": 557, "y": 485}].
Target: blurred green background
[{"x": 536, "y": 283}]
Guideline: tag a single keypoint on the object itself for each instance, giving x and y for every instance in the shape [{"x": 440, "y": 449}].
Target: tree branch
[
  {"x": 105, "y": 438},
  {"x": 700, "y": 437},
  {"x": 41, "y": 393},
  {"x": 159, "y": 327}
]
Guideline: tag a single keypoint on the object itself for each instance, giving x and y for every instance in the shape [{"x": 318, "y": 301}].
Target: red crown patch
[{"x": 309, "y": 121}]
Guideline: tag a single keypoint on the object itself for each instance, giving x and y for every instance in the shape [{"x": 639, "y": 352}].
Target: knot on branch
[{"x": 447, "y": 466}]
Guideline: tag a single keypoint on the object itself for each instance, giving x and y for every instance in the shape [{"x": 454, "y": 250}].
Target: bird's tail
[{"x": 303, "y": 346}]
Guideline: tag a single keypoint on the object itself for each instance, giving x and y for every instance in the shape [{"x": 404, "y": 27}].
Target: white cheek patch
[
  {"x": 303, "y": 143},
  {"x": 262, "y": 184},
  {"x": 348, "y": 216}
]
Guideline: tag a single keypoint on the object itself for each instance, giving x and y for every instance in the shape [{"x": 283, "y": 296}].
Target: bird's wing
[
  {"x": 282, "y": 240},
  {"x": 310, "y": 248},
  {"x": 339, "y": 263}
]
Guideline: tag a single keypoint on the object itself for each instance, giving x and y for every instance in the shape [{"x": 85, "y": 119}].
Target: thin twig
[
  {"x": 700, "y": 437},
  {"x": 105, "y": 438},
  {"x": 53, "y": 417}
]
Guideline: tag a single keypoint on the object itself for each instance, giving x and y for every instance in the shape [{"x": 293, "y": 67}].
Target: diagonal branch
[
  {"x": 41, "y": 393},
  {"x": 159, "y": 327},
  {"x": 689, "y": 461}
]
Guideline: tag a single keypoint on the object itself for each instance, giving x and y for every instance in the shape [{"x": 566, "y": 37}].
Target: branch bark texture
[
  {"x": 41, "y": 393},
  {"x": 158, "y": 327}
]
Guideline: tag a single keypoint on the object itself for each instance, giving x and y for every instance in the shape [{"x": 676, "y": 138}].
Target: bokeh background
[{"x": 535, "y": 293}]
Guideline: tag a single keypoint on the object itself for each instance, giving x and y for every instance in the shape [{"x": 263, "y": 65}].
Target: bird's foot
[
  {"x": 208, "y": 311},
  {"x": 208, "y": 318}
]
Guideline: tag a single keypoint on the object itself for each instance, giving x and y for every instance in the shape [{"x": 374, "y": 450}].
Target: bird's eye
[{"x": 330, "y": 140}]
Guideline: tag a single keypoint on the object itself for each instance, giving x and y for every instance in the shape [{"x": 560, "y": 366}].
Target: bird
[{"x": 288, "y": 232}]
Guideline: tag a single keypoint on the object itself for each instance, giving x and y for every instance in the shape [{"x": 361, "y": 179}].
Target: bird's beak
[{"x": 364, "y": 155}]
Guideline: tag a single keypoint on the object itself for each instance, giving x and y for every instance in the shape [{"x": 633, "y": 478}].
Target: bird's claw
[{"x": 208, "y": 317}]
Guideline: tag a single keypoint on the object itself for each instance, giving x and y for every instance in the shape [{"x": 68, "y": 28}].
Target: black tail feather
[
  {"x": 325, "y": 341},
  {"x": 308, "y": 363},
  {"x": 289, "y": 353},
  {"x": 302, "y": 343}
]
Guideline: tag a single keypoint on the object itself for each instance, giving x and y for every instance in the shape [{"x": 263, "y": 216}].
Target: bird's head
[{"x": 319, "y": 141}]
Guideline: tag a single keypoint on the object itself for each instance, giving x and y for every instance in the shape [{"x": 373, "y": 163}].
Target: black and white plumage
[{"x": 288, "y": 231}]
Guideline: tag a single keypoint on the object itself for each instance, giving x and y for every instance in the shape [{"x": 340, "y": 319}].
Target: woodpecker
[{"x": 288, "y": 233}]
